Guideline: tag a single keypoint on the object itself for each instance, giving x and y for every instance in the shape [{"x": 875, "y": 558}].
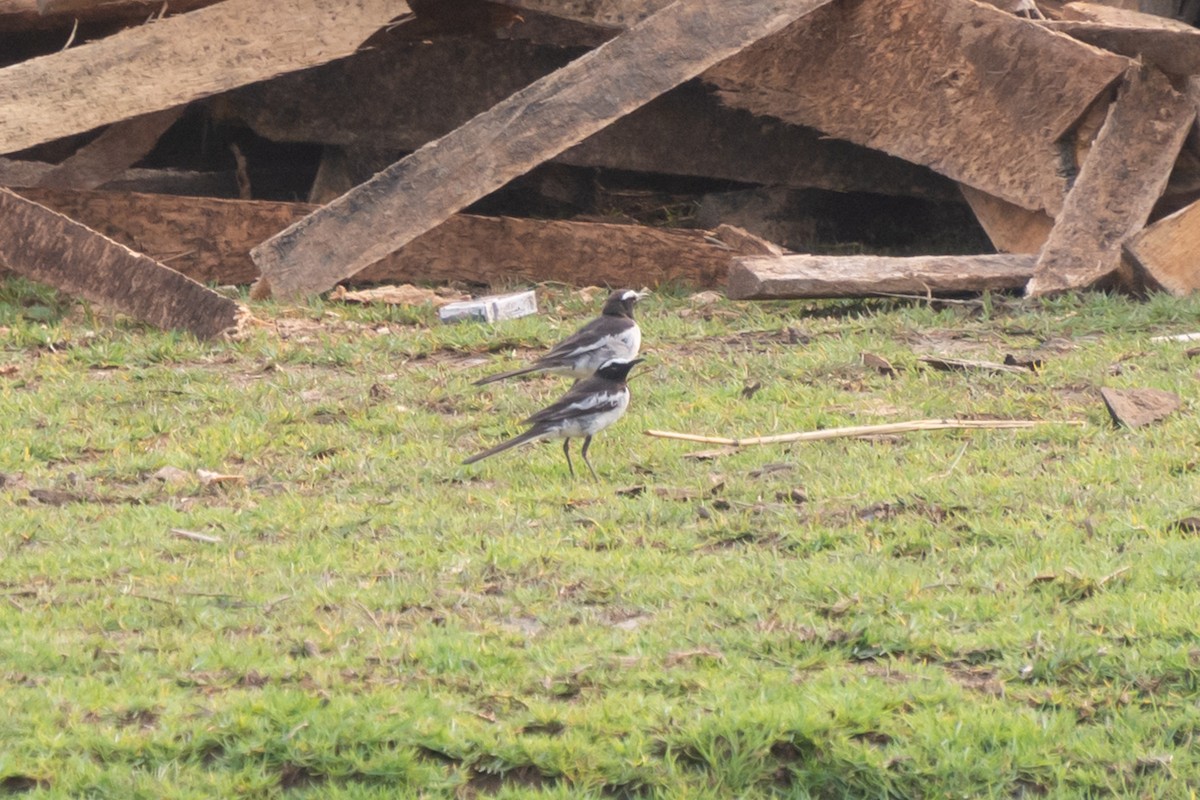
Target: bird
[
  {"x": 588, "y": 407},
  {"x": 612, "y": 335}
]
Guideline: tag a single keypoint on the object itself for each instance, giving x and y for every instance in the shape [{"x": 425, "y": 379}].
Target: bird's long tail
[
  {"x": 527, "y": 436},
  {"x": 499, "y": 376}
]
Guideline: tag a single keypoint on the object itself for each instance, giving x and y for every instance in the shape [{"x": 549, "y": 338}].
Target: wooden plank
[
  {"x": 14, "y": 172},
  {"x": 209, "y": 240},
  {"x": 610, "y": 13},
  {"x": 384, "y": 98},
  {"x": 625, "y": 13},
  {"x": 804, "y": 276},
  {"x": 536, "y": 124},
  {"x": 1011, "y": 228},
  {"x": 153, "y": 67},
  {"x": 25, "y": 15},
  {"x": 970, "y": 91},
  {"x": 50, "y": 248},
  {"x": 112, "y": 152},
  {"x": 1124, "y": 175},
  {"x": 688, "y": 131},
  {"x": 1170, "y": 45},
  {"x": 1168, "y": 252}
]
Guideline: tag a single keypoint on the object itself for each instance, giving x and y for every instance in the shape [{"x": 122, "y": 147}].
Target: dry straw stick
[{"x": 865, "y": 430}]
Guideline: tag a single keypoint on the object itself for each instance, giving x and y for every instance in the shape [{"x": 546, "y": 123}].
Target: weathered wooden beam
[
  {"x": 179, "y": 59},
  {"x": 400, "y": 95},
  {"x": 1011, "y": 228},
  {"x": 1168, "y": 252},
  {"x": 687, "y": 131},
  {"x": 626, "y": 13},
  {"x": 802, "y": 276},
  {"x": 535, "y": 124},
  {"x": 209, "y": 240},
  {"x": 14, "y": 172},
  {"x": 50, "y": 248},
  {"x": 963, "y": 88},
  {"x": 112, "y": 152},
  {"x": 1170, "y": 45},
  {"x": 1124, "y": 175},
  {"x": 384, "y": 98}
]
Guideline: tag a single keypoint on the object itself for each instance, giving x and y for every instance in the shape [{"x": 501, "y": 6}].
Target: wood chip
[
  {"x": 879, "y": 364},
  {"x": 963, "y": 365},
  {"x": 209, "y": 478},
  {"x": 192, "y": 536},
  {"x": 1135, "y": 407}
]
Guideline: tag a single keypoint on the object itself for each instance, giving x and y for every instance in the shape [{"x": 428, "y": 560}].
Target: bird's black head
[
  {"x": 617, "y": 369},
  {"x": 620, "y": 303}
]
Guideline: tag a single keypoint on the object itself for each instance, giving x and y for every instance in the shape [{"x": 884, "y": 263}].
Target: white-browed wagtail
[
  {"x": 612, "y": 335},
  {"x": 588, "y": 407}
]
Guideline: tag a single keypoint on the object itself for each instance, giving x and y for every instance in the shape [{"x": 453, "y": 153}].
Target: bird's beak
[{"x": 643, "y": 294}]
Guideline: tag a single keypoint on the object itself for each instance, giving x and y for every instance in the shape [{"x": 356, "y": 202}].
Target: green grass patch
[{"x": 982, "y": 614}]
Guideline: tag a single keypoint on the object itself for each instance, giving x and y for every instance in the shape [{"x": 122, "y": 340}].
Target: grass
[{"x": 985, "y": 614}]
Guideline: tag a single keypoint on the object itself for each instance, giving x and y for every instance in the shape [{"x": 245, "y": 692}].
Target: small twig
[
  {"x": 151, "y": 598},
  {"x": 71, "y": 38},
  {"x": 1180, "y": 337},
  {"x": 855, "y": 431},
  {"x": 1116, "y": 574},
  {"x": 180, "y": 533},
  {"x": 270, "y": 605},
  {"x": 953, "y": 464},
  {"x": 929, "y": 298},
  {"x": 370, "y": 616},
  {"x": 184, "y": 254}
]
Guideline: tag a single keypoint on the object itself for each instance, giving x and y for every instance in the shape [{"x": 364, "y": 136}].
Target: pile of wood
[{"x": 153, "y": 147}]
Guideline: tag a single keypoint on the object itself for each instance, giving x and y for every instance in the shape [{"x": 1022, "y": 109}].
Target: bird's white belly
[{"x": 591, "y": 424}]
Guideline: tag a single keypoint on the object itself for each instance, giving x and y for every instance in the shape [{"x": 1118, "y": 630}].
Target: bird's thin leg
[
  {"x": 567, "y": 453},
  {"x": 586, "y": 441}
]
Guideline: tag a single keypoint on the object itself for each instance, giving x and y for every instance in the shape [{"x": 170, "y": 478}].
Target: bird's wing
[
  {"x": 597, "y": 334},
  {"x": 589, "y": 396}
]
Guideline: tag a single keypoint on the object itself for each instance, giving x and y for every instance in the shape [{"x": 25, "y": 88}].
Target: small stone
[{"x": 173, "y": 475}]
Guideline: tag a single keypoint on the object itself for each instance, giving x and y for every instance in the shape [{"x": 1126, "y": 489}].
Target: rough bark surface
[
  {"x": 965, "y": 89},
  {"x": 802, "y": 276},
  {"x": 153, "y": 67},
  {"x": 1168, "y": 252},
  {"x": 50, "y": 248},
  {"x": 620, "y": 13},
  {"x": 386, "y": 98},
  {"x": 1173, "y": 47},
  {"x": 209, "y": 240},
  {"x": 1124, "y": 175},
  {"x": 536, "y": 124}
]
